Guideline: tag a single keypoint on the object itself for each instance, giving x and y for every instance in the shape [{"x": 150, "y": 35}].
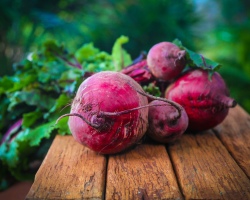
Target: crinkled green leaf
[
  {"x": 52, "y": 49},
  {"x": 70, "y": 75},
  {"x": 94, "y": 60},
  {"x": 13, "y": 153},
  {"x": 44, "y": 76},
  {"x": 32, "y": 98},
  {"x": 51, "y": 71},
  {"x": 51, "y": 45},
  {"x": 69, "y": 80},
  {"x": 152, "y": 89},
  {"x": 197, "y": 60},
  {"x": 39, "y": 93},
  {"x": 23, "y": 81},
  {"x": 120, "y": 56},
  {"x": 86, "y": 52},
  {"x": 5, "y": 84},
  {"x": 9, "y": 154},
  {"x": 61, "y": 107},
  {"x": 62, "y": 126},
  {"x": 62, "y": 102},
  {"x": 23, "y": 66},
  {"x": 30, "y": 118},
  {"x": 41, "y": 132}
]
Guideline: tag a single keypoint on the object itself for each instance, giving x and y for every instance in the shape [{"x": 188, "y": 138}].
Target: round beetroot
[
  {"x": 166, "y": 60},
  {"x": 205, "y": 100},
  {"x": 165, "y": 123},
  {"x": 103, "y": 114}
]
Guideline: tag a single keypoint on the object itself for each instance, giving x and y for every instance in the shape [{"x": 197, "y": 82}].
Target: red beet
[
  {"x": 205, "y": 100},
  {"x": 108, "y": 115},
  {"x": 166, "y": 60},
  {"x": 139, "y": 72},
  {"x": 165, "y": 124}
]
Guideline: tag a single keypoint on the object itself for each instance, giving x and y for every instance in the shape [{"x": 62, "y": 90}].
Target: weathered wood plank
[
  {"x": 206, "y": 170},
  {"x": 234, "y": 132},
  {"x": 69, "y": 171},
  {"x": 142, "y": 173}
]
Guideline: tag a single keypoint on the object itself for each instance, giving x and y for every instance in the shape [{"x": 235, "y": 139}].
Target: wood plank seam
[
  {"x": 234, "y": 133},
  {"x": 213, "y": 164},
  {"x": 143, "y": 173},
  {"x": 229, "y": 152},
  {"x": 175, "y": 173},
  {"x": 218, "y": 174},
  {"x": 105, "y": 177}
]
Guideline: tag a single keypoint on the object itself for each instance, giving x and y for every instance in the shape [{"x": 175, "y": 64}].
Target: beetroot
[
  {"x": 108, "y": 115},
  {"x": 205, "y": 100},
  {"x": 166, "y": 60},
  {"x": 165, "y": 124}
]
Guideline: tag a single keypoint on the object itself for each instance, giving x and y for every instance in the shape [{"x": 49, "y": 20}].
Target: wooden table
[{"x": 213, "y": 164}]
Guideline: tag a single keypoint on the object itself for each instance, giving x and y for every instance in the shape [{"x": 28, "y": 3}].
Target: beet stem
[
  {"x": 80, "y": 116},
  {"x": 181, "y": 54},
  {"x": 165, "y": 100},
  {"x": 102, "y": 113},
  {"x": 13, "y": 128},
  {"x": 229, "y": 102},
  {"x": 233, "y": 103}
]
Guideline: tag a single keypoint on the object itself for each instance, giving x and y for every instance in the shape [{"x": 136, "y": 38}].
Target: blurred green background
[{"x": 219, "y": 29}]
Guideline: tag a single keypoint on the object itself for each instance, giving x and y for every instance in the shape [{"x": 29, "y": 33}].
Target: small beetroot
[
  {"x": 205, "y": 100},
  {"x": 165, "y": 123},
  {"x": 166, "y": 60}
]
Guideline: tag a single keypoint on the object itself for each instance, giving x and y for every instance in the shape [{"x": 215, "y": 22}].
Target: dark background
[{"x": 220, "y": 30}]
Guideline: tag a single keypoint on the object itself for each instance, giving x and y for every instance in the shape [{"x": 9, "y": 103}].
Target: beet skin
[
  {"x": 99, "y": 118},
  {"x": 165, "y": 123},
  {"x": 205, "y": 100},
  {"x": 166, "y": 61}
]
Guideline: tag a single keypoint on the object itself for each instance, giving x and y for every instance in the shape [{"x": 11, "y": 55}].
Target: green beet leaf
[
  {"x": 29, "y": 119},
  {"x": 120, "y": 56},
  {"x": 6, "y": 83},
  {"x": 195, "y": 60},
  {"x": 31, "y": 98},
  {"x": 40, "y": 91},
  {"x": 86, "y": 52}
]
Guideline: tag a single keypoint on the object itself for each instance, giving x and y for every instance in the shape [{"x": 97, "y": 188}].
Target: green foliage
[
  {"x": 30, "y": 94},
  {"x": 228, "y": 42},
  {"x": 120, "y": 57},
  {"x": 144, "y": 22},
  {"x": 28, "y": 24},
  {"x": 195, "y": 60},
  {"x": 40, "y": 91},
  {"x": 152, "y": 89}
]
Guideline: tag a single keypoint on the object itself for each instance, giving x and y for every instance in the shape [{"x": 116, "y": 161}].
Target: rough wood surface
[
  {"x": 234, "y": 132},
  {"x": 69, "y": 171},
  {"x": 214, "y": 164},
  {"x": 143, "y": 173},
  {"x": 206, "y": 170}
]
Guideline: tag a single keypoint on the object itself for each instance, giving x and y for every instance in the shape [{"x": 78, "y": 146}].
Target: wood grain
[
  {"x": 206, "y": 170},
  {"x": 142, "y": 173},
  {"x": 69, "y": 171},
  {"x": 234, "y": 132},
  {"x": 214, "y": 164}
]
